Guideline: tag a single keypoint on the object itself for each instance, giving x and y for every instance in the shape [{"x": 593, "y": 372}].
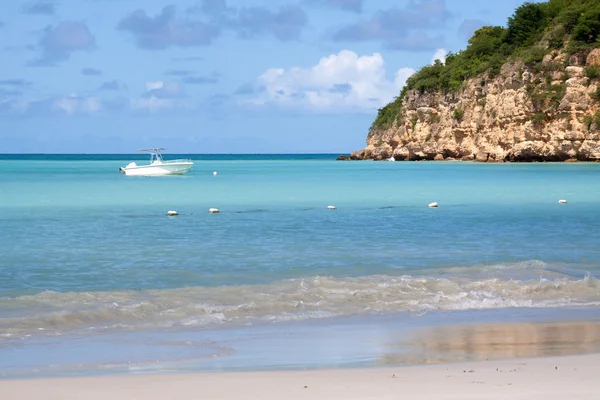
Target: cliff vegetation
[{"x": 529, "y": 91}]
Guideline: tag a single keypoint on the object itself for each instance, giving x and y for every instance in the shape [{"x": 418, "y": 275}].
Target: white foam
[{"x": 316, "y": 297}]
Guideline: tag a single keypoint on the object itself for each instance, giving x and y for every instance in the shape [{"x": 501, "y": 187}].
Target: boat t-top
[{"x": 157, "y": 165}]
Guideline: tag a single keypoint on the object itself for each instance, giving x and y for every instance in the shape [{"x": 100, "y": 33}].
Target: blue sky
[{"x": 215, "y": 76}]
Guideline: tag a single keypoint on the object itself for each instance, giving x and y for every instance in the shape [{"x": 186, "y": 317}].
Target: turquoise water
[{"x": 85, "y": 249}]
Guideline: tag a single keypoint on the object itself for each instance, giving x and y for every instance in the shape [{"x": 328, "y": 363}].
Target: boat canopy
[{"x": 155, "y": 155}]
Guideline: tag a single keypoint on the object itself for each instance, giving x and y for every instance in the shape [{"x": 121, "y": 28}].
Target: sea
[{"x": 95, "y": 278}]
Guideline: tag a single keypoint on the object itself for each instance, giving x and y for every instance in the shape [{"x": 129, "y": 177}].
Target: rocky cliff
[{"x": 549, "y": 112}]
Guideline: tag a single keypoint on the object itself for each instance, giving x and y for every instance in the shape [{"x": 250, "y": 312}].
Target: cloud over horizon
[
  {"x": 400, "y": 29},
  {"x": 12, "y": 88},
  {"x": 91, "y": 71},
  {"x": 115, "y": 84},
  {"x": 160, "y": 95},
  {"x": 166, "y": 30},
  {"x": 58, "y": 42},
  {"x": 201, "y": 79},
  {"x": 74, "y": 104},
  {"x": 285, "y": 23},
  {"x": 469, "y": 26},
  {"x": 337, "y": 83},
  {"x": 440, "y": 54},
  {"x": 170, "y": 29},
  {"x": 347, "y": 5},
  {"x": 39, "y": 7},
  {"x": 15, "y": 82}
]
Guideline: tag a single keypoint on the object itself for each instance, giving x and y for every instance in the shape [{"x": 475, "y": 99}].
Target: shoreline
[
  {"x": 352, "y": 157},
  {"x": 353, "y": 342},
  {"x": 572, "y": 377}
]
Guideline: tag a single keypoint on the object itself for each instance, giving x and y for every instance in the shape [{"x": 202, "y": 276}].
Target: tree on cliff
[
  {"x": 524, "y": 24},
  {"x": 588, "y": 27},
  {"x": 532, "y": 31}
]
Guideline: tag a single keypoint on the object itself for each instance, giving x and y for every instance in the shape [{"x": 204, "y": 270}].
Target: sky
[{"x": 216, "y": 76}]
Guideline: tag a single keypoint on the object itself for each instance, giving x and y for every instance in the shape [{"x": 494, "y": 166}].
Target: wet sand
[
  {"x": 494, "y": 341},
  {"x": 518, "y": 360},
  {"x": 331, "y": 343}
]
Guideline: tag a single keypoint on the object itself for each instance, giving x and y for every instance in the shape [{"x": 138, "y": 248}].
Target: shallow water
[{"x": 88, "y": 250}]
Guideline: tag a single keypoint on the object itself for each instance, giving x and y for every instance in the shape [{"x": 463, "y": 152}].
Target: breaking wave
[{"x": 529, "y": 284}]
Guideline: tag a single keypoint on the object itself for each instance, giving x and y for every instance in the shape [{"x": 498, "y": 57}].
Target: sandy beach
[
  {"x": 568, "y": 377},
  {"x": 518, "y": 360}
]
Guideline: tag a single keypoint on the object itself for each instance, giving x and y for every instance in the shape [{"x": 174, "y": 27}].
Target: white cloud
[
  {"x": 339, "y": 82},
  {"x": 164, "y": 90},
  {"x": 74, "y": 104},
  {"x": 402, "y": 75},
  {"x": 18, "y": 106},
  {"x": 69, "y": 105},
  {"x": 160, "y": 95},
  {"x": 154, "y": 85},
  {"x": 440, "y": 54},
  {"x": 152, "y": 104}
]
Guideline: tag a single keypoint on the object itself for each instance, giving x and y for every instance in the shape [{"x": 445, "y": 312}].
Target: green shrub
[
  {"x": 569, "y": 17},
  {"x": 587, "y": 29},
  {"x": 413, "y": 121},
  {"x": 434, "y": 119},
  {"x": 538, "y": 118},
  {"x": 387, "y": 115},
  {"x": 556, "y": 94},
  {"x": 576, "y": 46},
  {"x": 588, "y": 120},
  {"x": 525, "y": 24},
  {"x": 534, "y": 56},
  {"x": 591, "y": 120},
  {"x": 552, "y": 66},
  {"x": 592, "y": 71},
  {"x": 546, "y": 98},
  {"x": 458, "y": 114},
  {"x": 556, "y": 37}
]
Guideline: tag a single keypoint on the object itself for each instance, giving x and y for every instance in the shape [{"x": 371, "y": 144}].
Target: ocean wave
[{"x": 527, "y": 285}]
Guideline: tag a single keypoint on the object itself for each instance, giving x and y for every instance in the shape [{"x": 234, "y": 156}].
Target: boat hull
[{"x": 157, "y": 170}]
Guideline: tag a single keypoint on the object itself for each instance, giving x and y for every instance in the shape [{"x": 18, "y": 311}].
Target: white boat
[{"x": 157, "y": 165}]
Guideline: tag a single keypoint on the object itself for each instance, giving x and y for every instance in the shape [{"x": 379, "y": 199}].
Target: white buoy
[
  {"x": 562, "y": 202},
  {"x": 331, "y": 207},
  {"x": 215, "y": 173},
  {"x": 172, "y": 213},
  {"x": 433, "y": 205},
  {"x": 213, "y": 210}
]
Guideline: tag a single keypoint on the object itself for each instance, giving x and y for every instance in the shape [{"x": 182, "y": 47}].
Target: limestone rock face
[
  {"x": 593, "y": 58},
  {"x": 501, "y": 118}
]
